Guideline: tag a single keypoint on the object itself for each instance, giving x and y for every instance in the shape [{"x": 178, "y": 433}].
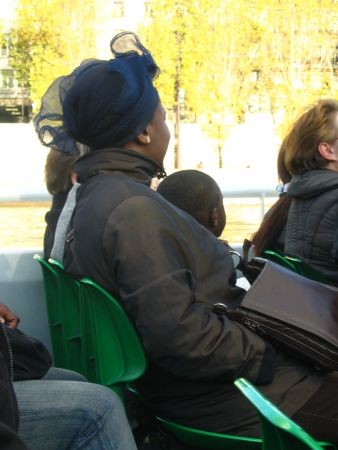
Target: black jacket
[
  {"x": 168, "y": 271},
  {"x": 312, "y": 226},
  {"x": 9, "y": 416}
]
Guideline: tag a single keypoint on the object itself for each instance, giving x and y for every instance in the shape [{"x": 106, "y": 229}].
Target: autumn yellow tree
[
  {"x": 229, "y": 41},
  {"x": 49, "y": 38},
  {"x": 165, "y": 33},
  {"x": 219, "y": 58},
  {"x": 206, "y": 59},
  {"x": 226, "y": 57},
  {"x": 2, "y": 34},
  {"x": 296, "y": 55}
]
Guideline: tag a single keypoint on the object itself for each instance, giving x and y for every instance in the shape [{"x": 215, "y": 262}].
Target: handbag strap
[{"x": 246, "y": 248}]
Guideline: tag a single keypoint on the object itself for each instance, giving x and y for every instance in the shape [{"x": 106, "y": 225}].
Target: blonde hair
[{"x": 300, "y": 146}]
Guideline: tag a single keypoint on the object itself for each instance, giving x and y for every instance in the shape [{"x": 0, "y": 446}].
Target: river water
[{"x": 22, "y": 224}]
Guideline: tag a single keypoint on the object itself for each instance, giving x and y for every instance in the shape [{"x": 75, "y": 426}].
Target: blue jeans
[
  {"x": 58, "y": 414},
  {"x": 56, "y": 373}
]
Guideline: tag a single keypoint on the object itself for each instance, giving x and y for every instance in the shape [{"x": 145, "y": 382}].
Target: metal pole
[{"x": 262, "y": 204}]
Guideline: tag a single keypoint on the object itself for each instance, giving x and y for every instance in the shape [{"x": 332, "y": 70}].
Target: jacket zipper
[{"x": 10, "y": 358}]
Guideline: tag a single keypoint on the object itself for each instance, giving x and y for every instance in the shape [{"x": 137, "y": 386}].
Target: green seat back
[
  {"x": 307, "y": 271},
  {"x": 54, "y": 311},
  {"x": 91, "y": 333},
  {"x": 70, "y": 297},
  {"x": 296, "y": 265},
  {"x": 280, "y": 259},
  {"x": 113, "y": 352},
  {"x": 279, "y": 432},
  {"x": 208, "y": 440}
]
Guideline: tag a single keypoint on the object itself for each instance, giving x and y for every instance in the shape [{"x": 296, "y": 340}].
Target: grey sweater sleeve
[{"x": 62, "y": 225}]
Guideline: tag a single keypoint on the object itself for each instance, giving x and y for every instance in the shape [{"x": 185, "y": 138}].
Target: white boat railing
[
  {"x": 29, "y": 197},
  {"x": 259, "y": 193}
]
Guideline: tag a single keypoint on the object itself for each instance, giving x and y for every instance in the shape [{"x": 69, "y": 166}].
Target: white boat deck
[{"x": 21, "y": 288}]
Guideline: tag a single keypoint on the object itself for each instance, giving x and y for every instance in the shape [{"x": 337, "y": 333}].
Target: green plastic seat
[
  {"x": 279, "y": 432},
  {"x": 54, "y": 311},
  {"x": 69, "y": 293},
  {"x": 112, "y": 352},
  {"x": 280, "y": 259},
  {"x": 91, "y": 333},
  {"x": 62, "y": 294},
  {"x": 307, "y": 271},
  {"x": 198, "y": 438},
  {"x": 208, "y": 440},
  {"x": 296, "y": 265}
]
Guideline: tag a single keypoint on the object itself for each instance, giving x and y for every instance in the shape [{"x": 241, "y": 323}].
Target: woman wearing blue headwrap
[
  {"x": 103, "y": 103},
  {"x": 165, "y": 268}
]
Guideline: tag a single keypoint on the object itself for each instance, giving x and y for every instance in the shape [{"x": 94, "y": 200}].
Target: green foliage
[{"x": 48, "y": 39}]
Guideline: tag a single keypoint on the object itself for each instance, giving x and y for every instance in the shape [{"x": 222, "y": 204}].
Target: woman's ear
[
  {"x": 143, "y": 138},
  {"x": 327, "y": 152}
]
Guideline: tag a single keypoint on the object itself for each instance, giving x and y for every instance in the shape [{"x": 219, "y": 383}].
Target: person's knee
[
  {"x": 100, "y": 400},
  {"x": 89, "y": 396},
  {"x": 56, "y": 373},
  {"x": 104, "y": 413},
  {"x": 71, "y": 397}
]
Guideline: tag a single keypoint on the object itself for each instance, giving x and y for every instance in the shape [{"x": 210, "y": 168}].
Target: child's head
[{"x": 197, "y": 194}]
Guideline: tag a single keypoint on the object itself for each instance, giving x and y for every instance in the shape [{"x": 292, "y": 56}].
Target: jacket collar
[
  {"x": 313, "y": 183},
  {"x": 123, "y": 160}
]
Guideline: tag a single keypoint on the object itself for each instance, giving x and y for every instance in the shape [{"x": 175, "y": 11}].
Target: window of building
[
  {"x": 147, "y": 7},
  {"x": 4, "y": 50},
  {"x": 7, "y": 79},
  {"x": 118, "y": 8}
]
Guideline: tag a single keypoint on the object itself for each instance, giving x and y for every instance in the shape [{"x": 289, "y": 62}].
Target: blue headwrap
[{"x": 101, "y": 103}]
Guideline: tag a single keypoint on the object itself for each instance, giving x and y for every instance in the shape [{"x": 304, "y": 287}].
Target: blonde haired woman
[{"x": 311, "y": 157}]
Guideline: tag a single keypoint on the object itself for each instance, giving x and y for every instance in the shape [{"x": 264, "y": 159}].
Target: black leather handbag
[{"x": 297, "y": 315}]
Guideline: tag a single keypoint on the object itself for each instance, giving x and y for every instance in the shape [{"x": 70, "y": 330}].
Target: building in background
[
  {"x": 111, "y": 17},
  {"x": 15, "y": 104}
]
